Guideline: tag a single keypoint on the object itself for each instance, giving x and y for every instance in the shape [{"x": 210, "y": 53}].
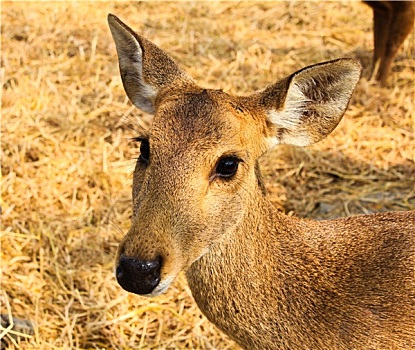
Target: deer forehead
[{"x": 207, "y": 121}]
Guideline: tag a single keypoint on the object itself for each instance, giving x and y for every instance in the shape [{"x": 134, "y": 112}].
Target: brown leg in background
[
  {"x": 382, "y": 15},
  {"x": 400, "y": 25},
  {"x": 392, "y": 22}
]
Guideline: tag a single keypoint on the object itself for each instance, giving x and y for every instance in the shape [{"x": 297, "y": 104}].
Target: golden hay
[{"x": 67, "y": 159}]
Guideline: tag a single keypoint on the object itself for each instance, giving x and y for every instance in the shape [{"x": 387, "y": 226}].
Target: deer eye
[
  {"x": 144, "y": 151},
  {"x": 227, "y": 167}
]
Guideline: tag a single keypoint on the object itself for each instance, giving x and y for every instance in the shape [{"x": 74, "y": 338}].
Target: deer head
[{"x": 197, "y": 179}]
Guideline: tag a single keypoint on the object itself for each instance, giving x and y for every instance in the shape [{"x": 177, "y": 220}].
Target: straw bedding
[{"x": 67, "y": 155}]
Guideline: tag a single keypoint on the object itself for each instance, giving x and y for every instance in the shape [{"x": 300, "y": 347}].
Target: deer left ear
[
  {"x": 306, "y": 107},
  {"x": 145, "y": 68}
]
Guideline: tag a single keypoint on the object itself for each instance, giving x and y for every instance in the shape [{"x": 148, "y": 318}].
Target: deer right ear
[
  {"x": 306, "y": 107},
  {"x": 145, "y": 68}
]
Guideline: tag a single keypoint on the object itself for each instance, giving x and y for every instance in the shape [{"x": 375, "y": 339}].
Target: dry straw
[{"x": 67, "y": 158}]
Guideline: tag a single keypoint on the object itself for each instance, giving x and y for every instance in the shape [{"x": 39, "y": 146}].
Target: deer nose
[{"x": 136, "y": 276}]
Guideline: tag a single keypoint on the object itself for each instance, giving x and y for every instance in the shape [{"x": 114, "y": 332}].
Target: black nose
[{"x": 136, "y": 276}]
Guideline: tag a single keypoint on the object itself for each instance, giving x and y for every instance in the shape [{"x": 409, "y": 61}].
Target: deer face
[
  {"x": 197, "y": 174},
  {"x": 192, "y": 182}
]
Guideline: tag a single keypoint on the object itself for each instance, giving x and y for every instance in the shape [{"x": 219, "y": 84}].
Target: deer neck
[{"x": 234, "y": 283}]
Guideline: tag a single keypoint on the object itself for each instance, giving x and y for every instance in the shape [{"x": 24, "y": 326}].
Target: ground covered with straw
[{"x": 67, "y": 155}]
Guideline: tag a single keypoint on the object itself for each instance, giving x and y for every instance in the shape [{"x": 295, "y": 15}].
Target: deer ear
[
  {"x": 145, "y": 68},
  {"x": 306, "y": 107}
]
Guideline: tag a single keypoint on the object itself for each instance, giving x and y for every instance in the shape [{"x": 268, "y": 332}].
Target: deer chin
[
  {"x": 161, "y": 287},
  {"x": 167, "y": 281}
]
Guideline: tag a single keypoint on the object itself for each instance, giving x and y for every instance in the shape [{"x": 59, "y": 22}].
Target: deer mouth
[{"x": 162, "y": 286}]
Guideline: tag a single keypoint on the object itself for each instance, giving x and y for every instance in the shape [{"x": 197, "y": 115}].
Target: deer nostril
[{"x": 138, "y": 276}]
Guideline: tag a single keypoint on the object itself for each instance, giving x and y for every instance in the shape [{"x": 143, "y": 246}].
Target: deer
[
  {"x": 266, "y": 279},
  {"x": 392, "y": 23}
]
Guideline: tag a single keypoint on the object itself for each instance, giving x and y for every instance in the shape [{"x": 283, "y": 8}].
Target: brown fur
[
  {"x": 392, "y": 23},
  {"x": 268, "y": 280}
]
